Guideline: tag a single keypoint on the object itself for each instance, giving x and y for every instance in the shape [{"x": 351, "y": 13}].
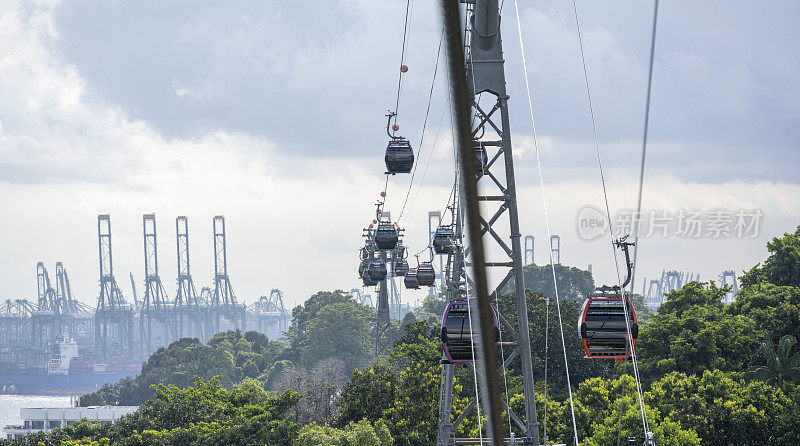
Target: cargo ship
[{"x": 66, "y": 372}]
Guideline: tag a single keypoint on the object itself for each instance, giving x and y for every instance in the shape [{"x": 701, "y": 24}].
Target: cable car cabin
[
  {"x": 386, "y": 236},
  {"x": 399, "y": 156},
  {"x": 376, "y": 271},
  {"x": 400, "y": 267},
  {"x": 426, "y": 275},
  {"x": 602, "y": 326},
  {"x": 443, "y": 240},
  {"x": 456, "y": 340},
  {"x": 481, "y": 160},
  {"x": 363, "y": 274},
  {"x": 366, "y": 281},
  {"x": 410, "y": 281}
]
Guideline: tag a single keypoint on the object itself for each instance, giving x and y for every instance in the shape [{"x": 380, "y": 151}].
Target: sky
[{"x": 272, "y": 114}]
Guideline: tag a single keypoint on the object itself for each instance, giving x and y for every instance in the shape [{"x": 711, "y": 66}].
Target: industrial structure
[{"x": 119, "y": 332}]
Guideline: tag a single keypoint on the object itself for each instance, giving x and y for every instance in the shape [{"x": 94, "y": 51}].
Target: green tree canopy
[
  {"x": 340, "y": 330},
  {"x": 692, "y": 333},
  {"x": 782, "y": 267},
  {"x": 573, "y": 283},
  {"x": 781, "y": 365}
]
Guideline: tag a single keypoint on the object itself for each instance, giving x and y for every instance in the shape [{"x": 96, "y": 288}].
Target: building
[{"x": 47, "y": 419}]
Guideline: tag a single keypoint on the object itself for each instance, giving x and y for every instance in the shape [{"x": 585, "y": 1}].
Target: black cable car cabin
[
  {"x": 386, "y": 236},
  {"x": 399, "y": 156},
  {"x": 366, "y": 281},
  {"x": 410, "y": 280},
  {"x": 456, "y": 340},
  {"x": 376, "y": 271},
  {"x": 363, "y": 274},
  {"x": 426, "y": 275},
  {"x": 602, "y": 326},
  {"x": 400, "y": 267},
  {"x": 443, "y": 240}
]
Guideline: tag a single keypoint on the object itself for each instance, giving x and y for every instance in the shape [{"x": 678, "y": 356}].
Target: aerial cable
[
  {"x": 621, "y": 400},
  {"x": 406, "y": 27},
  {"x": 645, "y": 425},
  {"x": 427, "y": 163},
  {"x": 546, "y": 356},
  {"x": 474, "y": 361},
  {"x": 424, "y": 126},
  {"x": 503, "y": 364},
  {"x": 546, "y": 218},
  {"x": 644, "y": 143}
]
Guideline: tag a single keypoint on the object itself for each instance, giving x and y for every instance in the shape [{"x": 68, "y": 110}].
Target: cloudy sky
[{"x": 272, "y": 113}]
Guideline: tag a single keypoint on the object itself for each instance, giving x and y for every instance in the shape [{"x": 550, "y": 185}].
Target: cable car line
[
  {"x": 624, "y": 302},
  {"x": 546, "y": 218},
  {"x": 644, "y": 139},
  {"x": 403, "y": 68},
  {"x": 422, "y": 135}
]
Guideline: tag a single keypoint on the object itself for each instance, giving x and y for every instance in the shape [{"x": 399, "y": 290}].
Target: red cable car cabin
[{"x": 602, "y": 326}]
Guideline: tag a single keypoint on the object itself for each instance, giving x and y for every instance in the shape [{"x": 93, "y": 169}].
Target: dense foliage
[
  {"x": 230, "y": 355},
  {"x": 204, "y": 413},
  {"x": 711, "y": 374}
]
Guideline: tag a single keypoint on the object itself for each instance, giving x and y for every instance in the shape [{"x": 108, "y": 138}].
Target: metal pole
[{"x": 461, "y": 113}]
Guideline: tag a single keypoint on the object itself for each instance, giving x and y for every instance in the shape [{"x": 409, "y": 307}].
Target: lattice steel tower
[
  {"x": 529, "y": 250},
  {"x": 492, "y": 143},
  {"x": 187, "y": 303},
  {"x": 155, "y": 305},
  {"x": 112, "y": 310},
  {"x": 223, "y": 301}
]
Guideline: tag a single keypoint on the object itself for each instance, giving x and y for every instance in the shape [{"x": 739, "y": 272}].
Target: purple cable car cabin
[{"x": 456, "y": 340}]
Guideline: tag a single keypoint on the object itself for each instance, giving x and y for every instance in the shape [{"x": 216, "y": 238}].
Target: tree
[
  {"x": 780, "y": 366},
  {"x": 340, "y": 330},
  {"x": 782, "y": 267},
  {"x": 362, "y": 433},
  {"x": 573, "y": 283},
  {"x": 539, "y": 310},
  {"x": 725, "y": 410},
  {"x": 692, "y": 333},
  {"x": 302, "y": 317},
  {"x": 774, "y": 308},
  {"x": 318, "y": 388}
]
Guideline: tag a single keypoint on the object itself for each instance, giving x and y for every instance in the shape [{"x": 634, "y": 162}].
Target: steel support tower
[
  {"x": 187, "y": 304},
  {"x": 16, "y": 332},
  {"x": 728, "y": 278},
  {"x": 44, "y": 321},
  {"x": 529, "y": 250},
  {"x": 555, "y": 248},
  {"x": 360, "y": 297},
  {"x": 491, "y": 130},
  {"x": 112, "y": 311},
  {"x": 269, "y": 314},
  {"x": 223, "y": 302},
  {"x": 75, "y": 318},
  {"x": 382, "y": 316},
  {"x": 155, "y": 305}
]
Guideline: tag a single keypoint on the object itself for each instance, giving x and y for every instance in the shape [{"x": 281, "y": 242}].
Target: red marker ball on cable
[
  {"x": 383, "y": 194},
  {"x": 403, "y": 68},
  {"x": 395, "y": 127}
]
